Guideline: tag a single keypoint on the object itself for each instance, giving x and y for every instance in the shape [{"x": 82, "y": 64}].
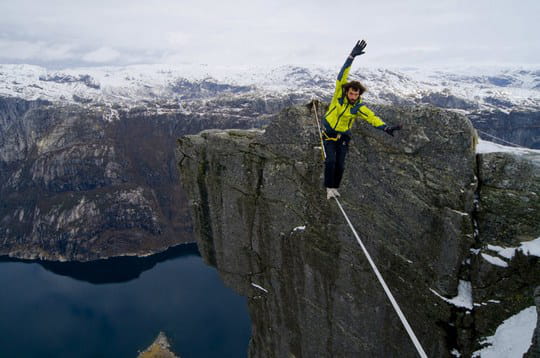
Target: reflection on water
[
  {"x": 115, "y": 270},
  {"x": 113, "y": 308}
]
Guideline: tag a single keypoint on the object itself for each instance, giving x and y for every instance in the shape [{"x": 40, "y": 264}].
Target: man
[{"x": 345, "y": 108}]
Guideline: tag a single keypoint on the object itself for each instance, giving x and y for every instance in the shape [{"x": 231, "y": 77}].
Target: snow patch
[
  {"x": 299, "y": 228},
  {"x": 259, "y": 287},
  {"x": 494, "y": 260},
  {"x": 486, "y": 303},
  {"x": 485, "y": 146},
  {"x": 463, "y": 299},
  {"x": 506, "y": 252},
  {"x": 529, "y": 248},
  {"x": 512, "y": 338},
  {"x": 460, "y": 212}
]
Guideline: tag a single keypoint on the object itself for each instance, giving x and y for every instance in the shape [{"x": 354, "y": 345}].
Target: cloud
[
  {"x": 178, "y": 39},
  {"x": 30, "y": 50},
  {"x": 267, "y": 32},
  {"x": 102, "y": 55}
]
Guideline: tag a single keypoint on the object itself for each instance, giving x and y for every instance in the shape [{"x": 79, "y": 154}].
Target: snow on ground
[
  {"x": 512, "y": 338},
  {"x": 494, "y": 260},
  {"x": 464, "y": 297},
  {"x": 259, "y": 287},
  {"x": 485, "y": 146},
  {"x": 531, "y": 248}
]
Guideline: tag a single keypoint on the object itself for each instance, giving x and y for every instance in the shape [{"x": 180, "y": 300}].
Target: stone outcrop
[
  {"x": 161, "y": 348},
  {"x": 261, "y": 217},
  {"x": 508, "y": 216},
  {"x": 509, "y": 181}
]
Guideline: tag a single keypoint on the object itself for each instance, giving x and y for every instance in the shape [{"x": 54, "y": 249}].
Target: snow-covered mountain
[{"x": 464, "y": 89}]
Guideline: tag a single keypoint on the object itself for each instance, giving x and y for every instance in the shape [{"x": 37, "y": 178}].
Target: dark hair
[{"x": 356, "y": 85}]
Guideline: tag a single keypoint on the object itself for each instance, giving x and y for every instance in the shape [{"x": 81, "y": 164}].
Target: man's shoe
[{"x": 329, "y": 193}]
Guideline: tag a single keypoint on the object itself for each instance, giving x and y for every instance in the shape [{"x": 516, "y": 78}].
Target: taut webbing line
[
  {"x": 400, "y": 314},
  {"x": 502, "y": 140}
]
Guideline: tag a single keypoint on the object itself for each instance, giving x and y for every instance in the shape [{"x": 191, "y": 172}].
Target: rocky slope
[
  {"x": 262, "y": 219},
  {"x": 76, "y": 185}
]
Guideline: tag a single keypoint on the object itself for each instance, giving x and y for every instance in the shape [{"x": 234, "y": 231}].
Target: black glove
[
  {"x": 359, "y": 48},
  {"x": 390, "y": 129}
]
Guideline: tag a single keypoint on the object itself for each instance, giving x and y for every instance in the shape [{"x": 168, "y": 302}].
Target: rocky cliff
[
  {"x": 521, "y": 127},
  {"x": 83, "y": 183},
  {"x": 261, "y": 217}
]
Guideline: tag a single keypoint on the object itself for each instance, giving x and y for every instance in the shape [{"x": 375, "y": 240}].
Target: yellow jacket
[{"x": 341, "y": 114}]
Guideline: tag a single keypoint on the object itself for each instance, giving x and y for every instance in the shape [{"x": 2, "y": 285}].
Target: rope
[
  {"x": 319, "y": 128},
  {"x": 395, "y": 305},
  {"x": 502, "y": 140},
  {"x": 400, "y": 314}
]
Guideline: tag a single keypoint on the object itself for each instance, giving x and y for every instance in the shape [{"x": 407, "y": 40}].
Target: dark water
[{"x": 114, "y": 308}]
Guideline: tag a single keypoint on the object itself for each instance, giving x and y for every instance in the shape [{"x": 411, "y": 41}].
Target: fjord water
[{"x": 117, "y": 307}]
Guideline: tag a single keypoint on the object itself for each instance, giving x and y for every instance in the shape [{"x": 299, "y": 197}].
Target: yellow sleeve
[
  {"x": 370, "y": 117},
  {"x": 342, "y": 78}
]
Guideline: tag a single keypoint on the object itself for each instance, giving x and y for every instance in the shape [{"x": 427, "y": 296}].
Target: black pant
[{"x": 334, "y": 165}]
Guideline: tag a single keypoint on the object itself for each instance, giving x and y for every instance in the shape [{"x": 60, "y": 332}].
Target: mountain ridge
[{"x": 461, "y": 89}]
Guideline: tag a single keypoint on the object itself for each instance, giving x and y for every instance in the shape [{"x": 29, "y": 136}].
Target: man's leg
[
  {"x": 342, "y": 148},
  {"x": 330, "y": 163}
]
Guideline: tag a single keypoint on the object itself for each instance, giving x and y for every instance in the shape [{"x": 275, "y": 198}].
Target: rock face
[
  {"x": 508, "y": 216},
  {"x": 78, "y": 184},
  {"x": 261, "y": 217},
  {"x": 509, "y": 181},
  {"x": 520, "y": 127}
]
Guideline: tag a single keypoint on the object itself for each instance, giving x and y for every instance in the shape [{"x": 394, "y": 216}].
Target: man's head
[{"x": 353, "y": 90}]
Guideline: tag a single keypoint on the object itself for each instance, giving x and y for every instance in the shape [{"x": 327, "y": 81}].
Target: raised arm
[{"x": 343, "y": 74}]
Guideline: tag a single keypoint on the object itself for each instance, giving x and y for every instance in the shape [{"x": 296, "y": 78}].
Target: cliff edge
[{"x": 261, "y": 217}]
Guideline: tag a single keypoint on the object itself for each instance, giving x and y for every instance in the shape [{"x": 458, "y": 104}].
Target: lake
[{"x": 117, "y": 307}]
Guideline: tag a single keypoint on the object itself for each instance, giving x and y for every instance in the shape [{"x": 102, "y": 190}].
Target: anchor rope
[
  {"x": 502, "y": 140},
  {"x": 319, "y": 128}
]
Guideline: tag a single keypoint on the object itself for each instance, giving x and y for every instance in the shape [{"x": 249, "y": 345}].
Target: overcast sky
[{"x": 58, "y": 33}]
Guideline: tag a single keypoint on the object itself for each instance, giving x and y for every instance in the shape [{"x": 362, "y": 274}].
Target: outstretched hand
[
  {"x": 358, "y": 49},
  {"x": 390, "y": 129}
]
